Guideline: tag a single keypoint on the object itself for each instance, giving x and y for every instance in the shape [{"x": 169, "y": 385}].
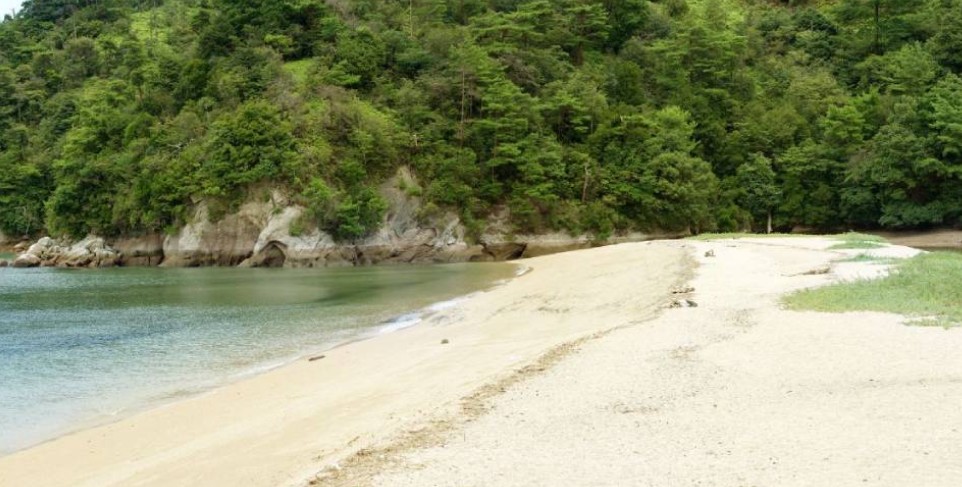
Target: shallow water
[
  {"x": 941, "y": 249},
  {"x": 78, "y": 347}
]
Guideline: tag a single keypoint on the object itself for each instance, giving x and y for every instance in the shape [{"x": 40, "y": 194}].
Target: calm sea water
[{"x": 81, "y": 347}]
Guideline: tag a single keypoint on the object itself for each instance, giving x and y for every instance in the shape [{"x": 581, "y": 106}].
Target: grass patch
[
  {"x": 860, "y": 237},
  {"x": 927, "y": 287},
  {"x": 869, "y": 258},
  {"x": 731, "y": 236},
  {"x": 856, "y": 246},
  {"x": 854, "y": 240}
]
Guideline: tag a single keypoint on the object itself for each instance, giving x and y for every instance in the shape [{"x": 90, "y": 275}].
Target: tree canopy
[{"x": 117, "y": 116}]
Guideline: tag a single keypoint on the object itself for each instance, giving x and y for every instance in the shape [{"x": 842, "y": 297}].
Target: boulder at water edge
[
  {"x": 89, "y": 252},
  {"x": 26, "y": 260}
]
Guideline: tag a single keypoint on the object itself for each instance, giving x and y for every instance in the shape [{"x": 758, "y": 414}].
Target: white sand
[
  {"x": 735, "y": 392},
  {"x": 284, "y": 427}
]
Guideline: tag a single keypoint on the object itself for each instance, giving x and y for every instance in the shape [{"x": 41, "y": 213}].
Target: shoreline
[
  {"x": 373, "y": 331},
  {"x": 136, "y": 447},
  {"x": 736, "y": 391}
]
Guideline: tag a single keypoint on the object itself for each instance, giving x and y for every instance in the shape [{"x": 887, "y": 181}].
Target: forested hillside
[{"x": 116, "y": 116}]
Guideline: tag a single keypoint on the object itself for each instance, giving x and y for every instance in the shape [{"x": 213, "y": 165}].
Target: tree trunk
[
  {"x": 584, "y": 189},
  {"x": 768, "y": 228},
  {"x": 463, "y": 96}
]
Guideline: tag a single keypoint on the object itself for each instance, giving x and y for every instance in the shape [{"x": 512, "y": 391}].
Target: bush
[
  {"x": 250, "y": 145},
  {"x": 357, "y": 215}
]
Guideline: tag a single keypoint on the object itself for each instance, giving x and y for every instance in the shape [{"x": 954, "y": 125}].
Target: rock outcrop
[
  {"x": 228, "y": 241},
  {"x": 275, "y": 246},
  {"x": 26, "y": 260},
  {"x": 140, "y": 251},
  {"x": 34, "y": 256},
  {"x": 272, "y": 231},
  {"x": 401, "y": 238},
  {"x": 89, "y": 252}
]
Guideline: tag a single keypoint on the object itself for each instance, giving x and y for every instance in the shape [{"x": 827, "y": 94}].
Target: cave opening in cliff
[{"x": 272, "y": 256}]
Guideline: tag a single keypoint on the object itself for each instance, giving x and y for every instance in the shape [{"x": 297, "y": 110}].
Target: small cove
[{"x": 89, "y": 346}]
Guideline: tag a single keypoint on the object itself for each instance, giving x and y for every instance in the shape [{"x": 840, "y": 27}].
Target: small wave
[
  {"x": 451, "y": 303},
  {"x": 410, "y": 319},
  {"x": 400, "y": 323},
  {"x": 262, "y": 368}
]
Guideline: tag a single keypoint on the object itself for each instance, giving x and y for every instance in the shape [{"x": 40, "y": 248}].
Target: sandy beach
[
  {"x": 577, "y": 373},
  {"x": 286, "y": 426}
]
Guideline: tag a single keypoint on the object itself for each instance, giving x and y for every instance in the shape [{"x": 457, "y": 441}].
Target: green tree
[
  {"x": 946, "y": 44},
  {"x": 362, "y": 54},
  {"x": 759, "y": 191},
  {"x": 904, "y": 180},
  {"x": 649, "y": 172},
  {"x": 250, "y": 145},
  {"x": 945, "y": 101},
  {"x": 810, "y": 186}
]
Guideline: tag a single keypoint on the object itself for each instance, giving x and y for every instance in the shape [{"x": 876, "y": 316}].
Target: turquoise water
[{"x": 81, "y": 347}]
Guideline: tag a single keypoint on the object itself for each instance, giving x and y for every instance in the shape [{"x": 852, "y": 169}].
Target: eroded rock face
[
  {"x": 401, "y": 239},
  {"x": 497, "y": 249},
  {"x": 226, "y": 242},
  {"x": 272, "y": 256},
  {"x": 140, "y": 251},
  {"x": 275, "y": 246}
]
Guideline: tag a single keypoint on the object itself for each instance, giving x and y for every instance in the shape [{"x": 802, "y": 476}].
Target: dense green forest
[{"x": 117, "y": 116}]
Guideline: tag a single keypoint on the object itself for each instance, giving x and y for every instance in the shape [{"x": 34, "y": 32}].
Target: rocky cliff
[{"x": 261, "y": 234}]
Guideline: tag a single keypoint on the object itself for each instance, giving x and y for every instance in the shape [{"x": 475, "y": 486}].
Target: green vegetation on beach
[
  {"x": 118, "y": 116},
  {"x": 850, "y": 240},
  {"x": 736, "y": 235},
  {"x": 927, "y": 287},
  {"x": 855, "y": 241},
  {"x": 865, "y": 257}
]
